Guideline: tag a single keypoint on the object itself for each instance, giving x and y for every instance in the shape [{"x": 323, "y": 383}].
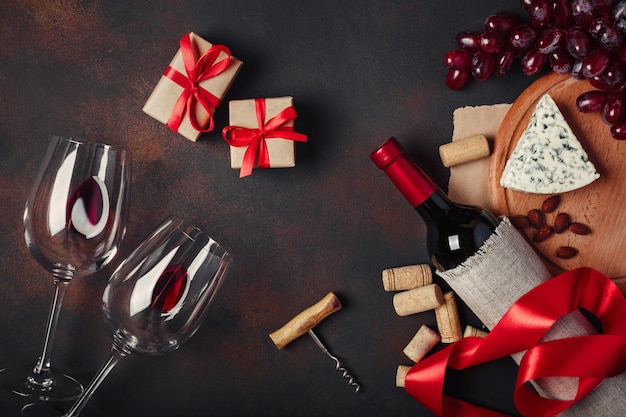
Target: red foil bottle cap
[
  {"x": 412, "y": 182},
  {"x": 386, "y": 153}
]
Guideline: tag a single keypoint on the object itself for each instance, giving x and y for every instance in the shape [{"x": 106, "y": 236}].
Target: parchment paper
[{"x": 468, "y": 182}]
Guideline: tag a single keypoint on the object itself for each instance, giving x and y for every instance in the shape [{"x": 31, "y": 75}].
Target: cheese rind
[{"x": 548, "y": 158}]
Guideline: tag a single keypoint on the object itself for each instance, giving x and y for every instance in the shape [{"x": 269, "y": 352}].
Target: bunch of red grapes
[{"x": 582, "y": 37}]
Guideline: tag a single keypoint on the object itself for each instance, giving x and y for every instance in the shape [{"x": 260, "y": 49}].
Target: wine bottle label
[{"x": 454, "y": 243}]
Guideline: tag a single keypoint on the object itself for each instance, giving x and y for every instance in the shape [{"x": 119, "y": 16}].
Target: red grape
[
  {"x": 599, "y": 83},
  {"x": 540, "y": 13},
  {"x": 503, "y": 60},
  {"x": 595, "y": 63},
  {"x": 618, "y": 11},
  {"x": 582, "y": 12},
  {"x": 606, "y": 35},
  {"x": 561, "y": 14},
  {"x": 578, "y": 44},
  {"x": 560, "y": 61},
  {"x": 457, "y": 78},
  {"x": 522, "y": 37},
  {"x": 618, "y": 16},
  {"x": 491, "y": 41},
  {"x": 595, "y": 27},
  {"x": 550, "y": 40},
  {"x": 591, "y": 101},
  {"x": 533, "y": 62},
  {"x": 482, "y": 65},
  {"x": 618, "y": 131},
  {"x": 458, "y": 58},
  {"x": 500, "y": 22},
  {"x": 602, "y": 7},
  {"x": 468, "y": 40},
  {"x": 614, "y": 108}
]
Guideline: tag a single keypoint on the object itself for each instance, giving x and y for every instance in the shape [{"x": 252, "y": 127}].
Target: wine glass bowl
[
  {"x": 157, "y": 298},
  {"x": 74, "y": 221},
  {"x": 75, "y": 216}
]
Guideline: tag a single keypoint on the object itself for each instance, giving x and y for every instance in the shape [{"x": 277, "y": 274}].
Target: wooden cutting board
[{"x": 600, "y": 205}]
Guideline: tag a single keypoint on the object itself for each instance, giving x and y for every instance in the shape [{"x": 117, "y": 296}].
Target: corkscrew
[{"x": 305, "y": 322}]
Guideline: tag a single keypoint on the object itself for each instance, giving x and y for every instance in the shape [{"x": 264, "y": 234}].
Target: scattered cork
[
  {"x": 401, "y": 375},
  {"x": 418, "y": 300},
  {"x": 448, "y": 322},
  {"x": 464, "y": 150},
  {"x": 424, "y": 340},
  {"x": 473, "y": 331},
  {"x": 407, "y": 277}
]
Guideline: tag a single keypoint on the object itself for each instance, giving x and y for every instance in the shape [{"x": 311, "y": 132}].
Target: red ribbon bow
[
  {"x": 254, "y": 138},
  {"x": 198, "y": 69},
  {"x": 590, "y": 358}
]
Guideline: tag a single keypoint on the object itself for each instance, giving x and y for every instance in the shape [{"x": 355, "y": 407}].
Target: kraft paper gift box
[
  {"x": 281, "y": 151},
  {"x": 161, "y": 103}
]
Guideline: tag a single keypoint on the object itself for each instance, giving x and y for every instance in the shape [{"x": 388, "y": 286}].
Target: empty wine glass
[
  {"x": 74, "y": 220},
  {"x": 156, "y": 299}
]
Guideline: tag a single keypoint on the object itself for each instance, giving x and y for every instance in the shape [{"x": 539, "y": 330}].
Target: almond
[
  {"x": 519, "y": 221},
  {"x": 579, "y": 229},
  {"x": 536, "y": 218},
  {"x": 566, "y": 252},
  {"x": 561, "y": 222},
  {"x": 550, "y": 204},
  {"x": 543, "y": 233}
]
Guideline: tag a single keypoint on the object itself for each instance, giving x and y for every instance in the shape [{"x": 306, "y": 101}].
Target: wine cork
[
  {"x": 473, "y": 331},
  {"x": 464, "y": 150},
  {"x": 448, "y": 323},
  {"x": 407, "y": 277},
  {"x": 401, "y": 375},
  {"x": 418, "y": 300},
  {"x": 424, "y": 340}
]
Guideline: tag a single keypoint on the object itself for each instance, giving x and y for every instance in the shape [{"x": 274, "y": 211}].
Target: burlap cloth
[{"x": 507, "y": 267}]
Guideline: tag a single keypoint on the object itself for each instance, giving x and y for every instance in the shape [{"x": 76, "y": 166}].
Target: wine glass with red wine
[
  {"x": 156, "y": 299},
  {"x": 74, "y": 221}
]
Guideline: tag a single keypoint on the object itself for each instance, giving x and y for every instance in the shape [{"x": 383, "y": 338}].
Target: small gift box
[
  {"x": 193, "y": 86},
  {"x": 261, "y": 133}
]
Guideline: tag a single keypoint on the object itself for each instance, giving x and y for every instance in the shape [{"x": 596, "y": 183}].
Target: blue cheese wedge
[{"x": 548, "y": 158}]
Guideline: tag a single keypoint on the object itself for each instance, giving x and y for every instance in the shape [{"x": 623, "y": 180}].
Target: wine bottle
[{"x": 454, "y": 231}]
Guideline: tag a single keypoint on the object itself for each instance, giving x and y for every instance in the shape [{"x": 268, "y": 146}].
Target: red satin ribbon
[
  {"x": 257, "y": 154},
  {"x": 590, "y": 358},
  {"x": 198, "y": 69}
]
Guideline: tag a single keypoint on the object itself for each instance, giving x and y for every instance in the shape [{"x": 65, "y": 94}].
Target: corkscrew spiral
[{"x": 338, "y": 365}]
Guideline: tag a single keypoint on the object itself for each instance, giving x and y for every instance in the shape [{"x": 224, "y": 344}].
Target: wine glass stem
[
  {"x": 42, "y": 368},
  {"x": 114, "y": 357}
]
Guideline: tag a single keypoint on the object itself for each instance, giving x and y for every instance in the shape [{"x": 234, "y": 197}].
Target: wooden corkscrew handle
[{"x": 306, "y": 320}]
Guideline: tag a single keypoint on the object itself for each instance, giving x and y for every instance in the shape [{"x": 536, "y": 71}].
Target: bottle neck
[{"x": 412, "y": 182}]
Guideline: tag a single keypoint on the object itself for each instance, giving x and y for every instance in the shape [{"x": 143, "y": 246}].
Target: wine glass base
[
  {"x": 38, "y": 410},
  {"x": 61, "y": 387}
]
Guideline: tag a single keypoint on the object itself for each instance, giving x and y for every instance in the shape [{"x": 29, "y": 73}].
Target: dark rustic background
[{"x": 359, "y": 71}]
